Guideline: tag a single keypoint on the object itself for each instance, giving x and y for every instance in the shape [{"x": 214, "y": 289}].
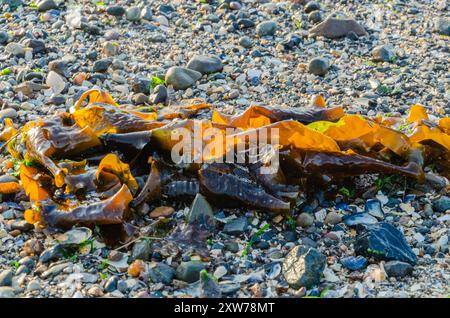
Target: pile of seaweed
[{"x": 96, "y": 165}]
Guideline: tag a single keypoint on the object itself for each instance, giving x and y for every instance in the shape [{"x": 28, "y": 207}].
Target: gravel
[{"x": 371, "y": 57}]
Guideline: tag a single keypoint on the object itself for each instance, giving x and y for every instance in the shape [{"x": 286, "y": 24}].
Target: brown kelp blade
[
  {"x": 227, "y": 186},
  {"x": 56, "y": 138},
  {"x": 184, "y": 190},
  {"x": 152, "y": 187},
  {"x": 134, "y": 141},
  {"x": 110, "y": 211},
  {"x": 274, "y": 182},
  {"x": 341, "y": 165}
]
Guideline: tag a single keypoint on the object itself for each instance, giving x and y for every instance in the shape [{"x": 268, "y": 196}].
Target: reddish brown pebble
[
  {"x": 162, "y": 211},
  {"x": 15, "y": 233},
  {"x": 136, "y": 268}
]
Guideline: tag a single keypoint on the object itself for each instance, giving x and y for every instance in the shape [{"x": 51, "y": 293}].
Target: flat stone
[
  {"x": 21, "y": 225},
  {"x": 52, "y": 254},
  {"x": 442, "y": 26},
  {"x": 384, "y": 241},
  {"x": 315, "y": 17},
  {"x": 46, "y": 5},
  {"x": 305, "y": 220},
  {"x": 33, "y": 285},
  {"x": 111, "y": 284},
  {"x": 354, "y": 263},
  {"x": 15, "y": 49},
  {"x": 189, "y": 271},
  {"x": 37, "y": 45},
  {"x": 54, "y": 270},
  {"x": 164, "y": 211},
  {"x": 55, "y": 82},
  {"x": 205, "y": 64},
  {"x": 266, "y": 28},
  {"x": 4, "y": 37},
  {"x": 116, "y": 11},
  {"x": 382, "y": 53},
  {"x": 334, "y": 28},
  {"x": 236, "y": 226},
  {"x": 141, "y": 250},
  {"x": 312, "y": 6},
  {"x": 333, "y": 218},
  {"x": 161, "y": 273},
  {"x": 303, "y": 267},
  {"x": 7, "y": 292},
  {"x": 441, "y": 205},
  {"x": 6, "y": 277},
  {"x": 8, "y": 113},
  {"x": 58, "y": 66},
  {"x": 147, "y": 13},
  {"x": 102, "y": 65},
  {"x": 398, "y": 269},
  {"x": 133, "y": 14},
  {"x": 181, "y": 78}
]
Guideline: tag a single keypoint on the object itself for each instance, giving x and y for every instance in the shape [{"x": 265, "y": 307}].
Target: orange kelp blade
[
  {"x": 32, "y": 182},
  {"x": 289, "y": 133},
  {"x": 112, "y": 164},
  {"x": 423, "y": 133},
  {"x": 444, "y": 125},
  {"x": 95, "y": 96},
  {"x": 8, "y": 130},
  {"x": 110, "y": 211},
  {"x": 258, "y": 116},
  {"x": 417, "y": 113},
  {"x": 354, "y": 132},
  {"x": 188, "y": 137},
  {"x": 104, "y": 119}
]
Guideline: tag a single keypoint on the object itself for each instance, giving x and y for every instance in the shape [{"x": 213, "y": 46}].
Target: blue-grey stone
[
  {"x": 236, "y": 226},
  {"x": 6, "y": 278},
  {"x": 189, "y": 271},
  {"x": 181, "y": 77},
  {"x": 442, "y": 204},
  {"x": 205, "y": 64},
  {"x": 384, "y": 241},
  {"x": 359, "y": 218},
  {"x": 354, "y": 263},
  {"x": 162, "y": 273},
  {"x": 398, "y": 269}
]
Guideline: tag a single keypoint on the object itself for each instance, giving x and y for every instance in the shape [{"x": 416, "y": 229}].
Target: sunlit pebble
[
  {"x": 79, "y": 78},
  {"x": 44, "y": 17},
  {"x": 235, "y": 5},
  {"x": 136, "y": 268}
]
